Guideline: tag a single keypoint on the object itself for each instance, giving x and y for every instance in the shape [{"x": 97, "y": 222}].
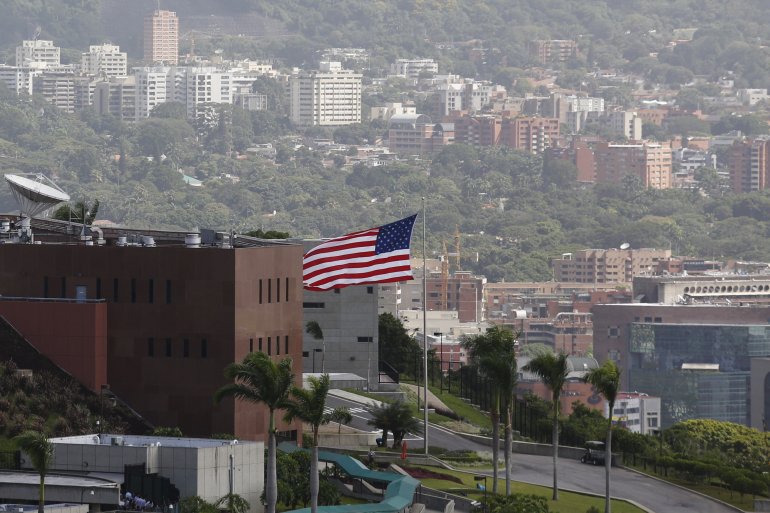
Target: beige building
[
  {"x": 38, "y": 54},
  {"x": 606, "y": 265},
  {"x": 330, "y": 96},
  {"x": 161, "y": 37},
  {"x": 551, "y": 51},
  {"x": 651, "y": 162}
]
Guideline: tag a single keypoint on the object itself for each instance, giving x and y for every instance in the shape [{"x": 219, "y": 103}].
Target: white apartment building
[
  {"x": 105, "y": 61},
  {"x": 449, "y": 98},
  {"x": 38, "y": 54},
  {"x": 639, "y": 413},
  {"x": 752, "y": 96},
  {"x": 412, "y": 68},
  {"x": 330, "y": 96},
  {"x": 152, "y": 89},
  {"x": 17, "y": 79}
]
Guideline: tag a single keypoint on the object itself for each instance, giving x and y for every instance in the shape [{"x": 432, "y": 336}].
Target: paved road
[{"x": 657, "y": 496}]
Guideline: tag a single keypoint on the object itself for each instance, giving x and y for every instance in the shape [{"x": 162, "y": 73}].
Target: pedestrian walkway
[{"x": 433, "y": 401}]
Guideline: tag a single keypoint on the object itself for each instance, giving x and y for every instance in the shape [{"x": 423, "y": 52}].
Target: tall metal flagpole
[{"x": 424, "y": 330}]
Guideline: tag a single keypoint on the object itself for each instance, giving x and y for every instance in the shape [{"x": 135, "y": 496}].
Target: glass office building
[{"x": 699, "y": 371}]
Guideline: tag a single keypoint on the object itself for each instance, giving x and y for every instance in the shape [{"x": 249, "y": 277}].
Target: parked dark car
[{"x": 595, "y": 453}]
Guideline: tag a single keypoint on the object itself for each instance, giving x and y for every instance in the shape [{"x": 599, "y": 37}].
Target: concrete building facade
[
  {"x": 650, "y": 162},
  {"x": 413, "y": 68},
  {"x": 38, "y": 54},
  {"x": 749, "y": 163},
  {"x": 637, "y": 412},
  {"x": 551, "y": 51}
]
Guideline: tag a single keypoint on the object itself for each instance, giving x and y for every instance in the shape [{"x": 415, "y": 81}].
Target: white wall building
[
  {"x": 637, "y": 412},
  {"x": 17, "y": 79},
  {"x": 389, "y": 110},
  {"x": 38, "y": 54},
  {"x": 752, "y": 96},
  {"x": 105, "y": 61},
  {"x": 625, "y": 123},
  {"x": 151, "y": 89},
  {"x": 330, "y": 96},
  {"x": 412, "y": 68}
]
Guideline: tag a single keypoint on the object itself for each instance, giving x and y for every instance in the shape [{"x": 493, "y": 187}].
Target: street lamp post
[
  {"x": 441, "y": 359},
  {"x": 314, "y": 352}
]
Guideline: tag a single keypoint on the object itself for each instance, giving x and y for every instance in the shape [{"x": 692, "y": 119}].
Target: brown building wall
[
  {"x": 572, "y": 391},
  {"x": 176, "y": 318},
  {"x": 73, "y": 335}
]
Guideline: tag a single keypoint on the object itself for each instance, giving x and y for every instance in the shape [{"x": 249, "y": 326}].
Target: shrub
[{"x": 517, "y": 503}]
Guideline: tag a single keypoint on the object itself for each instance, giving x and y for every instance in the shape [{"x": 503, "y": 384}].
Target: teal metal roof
[{"x": 399, "y": 494}]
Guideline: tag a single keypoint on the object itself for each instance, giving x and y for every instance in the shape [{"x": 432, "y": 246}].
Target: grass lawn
[
  {"x": 568, "y": 502},
  {"x": 463, "y": 409}
]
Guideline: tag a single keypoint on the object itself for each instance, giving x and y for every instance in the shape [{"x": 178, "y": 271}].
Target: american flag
[{"x": 377, "y": 255}]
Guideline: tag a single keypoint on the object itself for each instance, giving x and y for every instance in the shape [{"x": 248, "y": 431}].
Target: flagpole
[{"x": 424, "y": 330}]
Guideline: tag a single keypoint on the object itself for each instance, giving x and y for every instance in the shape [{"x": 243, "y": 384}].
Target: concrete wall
[{"x": 194, "y": 470}]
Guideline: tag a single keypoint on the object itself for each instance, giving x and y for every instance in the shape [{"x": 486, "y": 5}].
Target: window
[
  {"x": 115, "y": 290},
  {"x": 168, "y": 348},
  {"x": 260, "y": 344},
  {"x": 269, "y": 290},
  {"x": 204, "y": 348},
  {"x": 186, "y": 348},
  {"x": 337, "y": 291},
  {"x": 269, "y": 346},
  {"x": 260, "y": 292},
  {"x": 151, "y": 291},
  {"x": 313, "y": 305},
  {"x": 365, "y": 339},
  {"x": 286, "y": 344},
  {"x": 277, "y": 290},
  {"x": 45, "y": 286},
  {"x": 287, "y": 288},
  {"x": 251, "y": 345},
  {"x": 133, "y": 290},
  {"x": 648, "y": 319},
  {"x": 150, "y": 347},
  {"x": 63, "y": 287},
  {"x": 98, "y": 288},
  {"x": 658, "y": 319},
  {"x": 614, "y": 331},
  {"x": 168, "y": 292},
  {"x": 370, "y": 290}
]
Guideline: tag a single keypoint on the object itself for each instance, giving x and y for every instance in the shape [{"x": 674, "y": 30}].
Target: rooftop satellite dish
[
  {"x": 625, "y": 245},
  {"x": 35, "y": 193}
]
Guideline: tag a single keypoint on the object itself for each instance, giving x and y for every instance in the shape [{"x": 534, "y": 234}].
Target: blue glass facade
[{"x": 659, "y": 351}]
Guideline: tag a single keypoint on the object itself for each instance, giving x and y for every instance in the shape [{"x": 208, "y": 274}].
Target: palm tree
[
  {"x": 606, "y": 381},
  {"x": 553, "y": 370},
  {"x": 493, "y": 353},
  {"x": 395, "y": 417},
  {"x": 314, "y": 329},
  {"x": 260, "y": 380},
  {"x": 308, "y": 406},
  {"x": 40, "y": 451},
  {"x": 341, "y": 415}
]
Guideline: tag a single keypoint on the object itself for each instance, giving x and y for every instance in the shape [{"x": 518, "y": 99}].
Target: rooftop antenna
[{"x": 35, "y": 193}]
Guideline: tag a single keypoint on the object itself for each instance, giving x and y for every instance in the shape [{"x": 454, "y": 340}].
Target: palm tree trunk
[
  {"x": 495, "y": 446},
  {"x": 41, "y": 498},
  {"x": 271, "y": 479},
  {"x": 508, "y": 449},
  {"x": 555, "y": 448},
  {"x": 314, "y": 477},
  {"x": 608, "y": 463}
]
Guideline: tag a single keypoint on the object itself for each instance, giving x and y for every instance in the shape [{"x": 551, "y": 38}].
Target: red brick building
[{"x": 159, "y": 324}]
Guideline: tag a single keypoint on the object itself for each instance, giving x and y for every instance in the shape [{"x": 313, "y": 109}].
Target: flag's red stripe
[
  {"x": 364, "y": 275},
  {"x": 356, "y": 252},
  {"x": 340, "y": 285},
  {"x": 385, "y": 259},
  {"x": 330, "y": 245}
]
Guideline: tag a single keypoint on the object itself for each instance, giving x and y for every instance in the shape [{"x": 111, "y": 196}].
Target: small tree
[
  {"x": 553, "y": 371},
  {"x": 394, "y": 417},
  {"x": 308, "y": 406},
  {"x": 606, "y": 381},
  {"x": 341, "y": 415},
  {"x": 40, "y": 451},
  {"x": 313, "y": 329}
]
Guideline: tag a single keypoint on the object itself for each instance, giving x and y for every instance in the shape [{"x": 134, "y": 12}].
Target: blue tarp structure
[{"x": 399, "y": 493}]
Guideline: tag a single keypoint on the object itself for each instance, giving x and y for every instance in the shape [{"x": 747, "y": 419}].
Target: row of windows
[
  {"x": 82, "y": 291},
  {"x": 267, "y": 344},
  {"x": 168, "y": 292},
  {"x": 168, "y": 348}
]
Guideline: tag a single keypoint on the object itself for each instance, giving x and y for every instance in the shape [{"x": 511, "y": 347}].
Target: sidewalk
[
  {"x": 433, "y": 401},
  {"x": 350, "y": 396}
]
